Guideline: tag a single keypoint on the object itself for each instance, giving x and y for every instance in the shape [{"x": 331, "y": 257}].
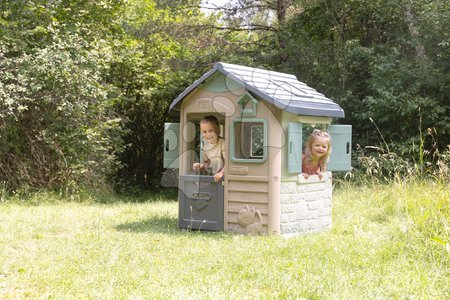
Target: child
[
  {"x": 317, "y": 152},
  {"x": 213, "y": 149}
]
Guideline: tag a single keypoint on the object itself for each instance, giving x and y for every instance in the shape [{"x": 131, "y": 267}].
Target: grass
[{"x": 387, "y": 241}]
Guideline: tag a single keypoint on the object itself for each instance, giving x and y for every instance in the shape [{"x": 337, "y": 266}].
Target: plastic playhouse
[{"x": 264, "y": 117}]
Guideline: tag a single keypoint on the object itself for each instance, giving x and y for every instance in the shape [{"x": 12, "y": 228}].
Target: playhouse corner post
[{"x": 275, "y": 162}]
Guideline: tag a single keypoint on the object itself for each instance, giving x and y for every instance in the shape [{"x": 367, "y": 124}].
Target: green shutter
[
  {"x": 294, "y": 147},
  {"x": 341, "y": 147},
  {"x": 171, "y": 143}
]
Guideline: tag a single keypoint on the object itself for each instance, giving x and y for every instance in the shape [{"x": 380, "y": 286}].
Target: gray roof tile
[{"x": 281, "y": 89}]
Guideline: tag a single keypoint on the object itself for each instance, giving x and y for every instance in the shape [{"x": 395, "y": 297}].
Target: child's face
[
  {"x": 208, "y": 132},
  {"x": 319, "y": 147}
]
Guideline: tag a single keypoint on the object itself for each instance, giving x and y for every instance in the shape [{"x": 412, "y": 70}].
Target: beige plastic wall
[
  {"x": 250, "y": 189},
  {"x": 247, "y": 186},
  {"x": 257, "y": 185}
]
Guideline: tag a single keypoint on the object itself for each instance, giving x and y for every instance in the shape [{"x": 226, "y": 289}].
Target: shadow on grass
[
  {"x": 169, "y": 195},
  {"x": 156, "y": 224},
  {"x": 164, "y": 225}
]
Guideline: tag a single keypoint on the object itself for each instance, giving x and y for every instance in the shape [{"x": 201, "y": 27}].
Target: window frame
[{"x": 258, "y": 159}]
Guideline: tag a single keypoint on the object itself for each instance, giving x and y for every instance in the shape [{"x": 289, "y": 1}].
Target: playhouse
[{"x": 264, "y": 117}]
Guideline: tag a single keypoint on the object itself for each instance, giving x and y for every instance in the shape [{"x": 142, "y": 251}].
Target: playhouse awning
[{"x": 281, "y": 89}]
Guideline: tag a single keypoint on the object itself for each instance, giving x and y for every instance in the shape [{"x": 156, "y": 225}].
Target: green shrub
[
  {"x": 379, "y": 165},
  {"x": 57, "y": 126}
]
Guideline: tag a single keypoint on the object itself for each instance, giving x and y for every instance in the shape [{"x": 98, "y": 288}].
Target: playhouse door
[
  {"x": 200, "y": 199},
  {"x": 201, "y": 203}
]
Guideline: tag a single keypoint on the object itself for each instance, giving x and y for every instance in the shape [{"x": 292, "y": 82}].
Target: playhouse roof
[{"x": 281, "y": 89}]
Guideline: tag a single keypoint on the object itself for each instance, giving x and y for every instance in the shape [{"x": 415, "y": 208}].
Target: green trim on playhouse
[
  {"x": 233, "y": 136},
  {"x": 248, "y": 105},
  {"x": 219, "y": 83}
]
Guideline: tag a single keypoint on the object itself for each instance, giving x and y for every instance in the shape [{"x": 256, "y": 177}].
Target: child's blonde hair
[
  {"x": 314, "y": 135},
  {"x": 212, "y": 120}
]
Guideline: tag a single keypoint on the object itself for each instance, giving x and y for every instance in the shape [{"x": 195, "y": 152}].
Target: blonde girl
[{"x": 317, "y": 153}]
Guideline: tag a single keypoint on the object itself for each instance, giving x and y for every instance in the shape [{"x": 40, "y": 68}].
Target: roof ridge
[{"x": 223, "y": 67}]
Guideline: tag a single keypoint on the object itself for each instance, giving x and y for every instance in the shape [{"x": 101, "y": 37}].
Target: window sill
[{"x": 314, "y": 178}]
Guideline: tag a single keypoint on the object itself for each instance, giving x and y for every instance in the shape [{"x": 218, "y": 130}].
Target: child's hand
[
  {"x": 305, "y": 175},
  {"x": 218, "y": 176},
  {"x": 319, "y": 174},
  {"x": 198, "y": 166}
]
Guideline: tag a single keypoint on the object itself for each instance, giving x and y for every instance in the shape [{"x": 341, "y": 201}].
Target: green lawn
[{"x": 387, "y": 241}]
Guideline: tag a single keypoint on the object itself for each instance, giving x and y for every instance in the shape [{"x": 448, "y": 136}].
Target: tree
[
  {"x": 164, "y": 48},
  {"x": 382, "y": 61},
  {"x": 57, "y": 127},
  {"x": 262, "y": 20}
]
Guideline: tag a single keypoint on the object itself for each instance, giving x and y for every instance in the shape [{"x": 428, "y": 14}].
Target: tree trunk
[
  {"x": 281, "y": 17},
  {"x": 414, "y": 31}
]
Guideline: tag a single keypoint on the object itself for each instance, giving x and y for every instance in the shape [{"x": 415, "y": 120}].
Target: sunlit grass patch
[{"x": 387, "y": 241}]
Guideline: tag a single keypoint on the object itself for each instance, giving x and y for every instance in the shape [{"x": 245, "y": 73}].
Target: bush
[
  {"x": 382, "y": 165},
  {"x": 57, "y": 127}
]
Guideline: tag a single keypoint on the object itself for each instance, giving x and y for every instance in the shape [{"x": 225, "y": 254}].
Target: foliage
[
  {"x": 383, "y": 60},
  {"x": 164, "y": 48},
  {"x": 381, "y": 164},
  {"x": 57, "y": 126},
  {"x": 80, "y": 81}
]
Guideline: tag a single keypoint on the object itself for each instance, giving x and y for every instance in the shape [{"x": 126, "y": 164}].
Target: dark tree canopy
[{"x": 85, "y": 85}]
